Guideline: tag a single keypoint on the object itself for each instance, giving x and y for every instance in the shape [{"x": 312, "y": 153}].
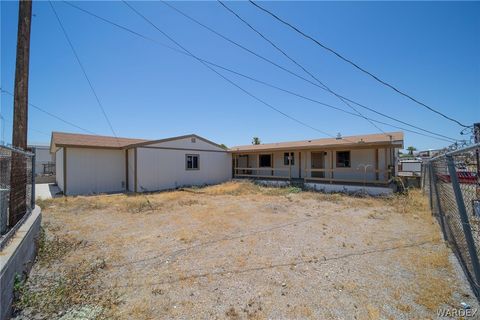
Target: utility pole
[{"x": 18, "y": 177}]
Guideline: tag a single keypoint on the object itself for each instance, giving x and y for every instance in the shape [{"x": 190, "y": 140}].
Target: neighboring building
[
  {"x": 355, "y": 160},
  {"x": 88, "y": 164},
  {"x": 410, "y": 167},
  {"x": 44, "y": 160},
  {"x": 427, "y": 154},
  {"x": 410, "y": 171},
  {"x": 98, "y": 164}
]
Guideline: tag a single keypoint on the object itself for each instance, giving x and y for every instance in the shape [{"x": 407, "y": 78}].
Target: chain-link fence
[
  {"x": 17, "y": 189},
  {"x": 452, "y": 183},
  {"x": 48, "y": 168}
]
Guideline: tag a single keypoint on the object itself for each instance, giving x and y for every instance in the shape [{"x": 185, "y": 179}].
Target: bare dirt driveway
[{"x": 241, "y": 251}]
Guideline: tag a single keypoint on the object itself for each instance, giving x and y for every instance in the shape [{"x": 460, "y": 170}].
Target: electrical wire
[
  {"x": 51, "y": 114},
  {"x": 3, "y": 119},
  {"x": 287, "y": 70},
  {"x": 83, "y": 71},
  {"x": 296, "y": 63},
  {"x": 268, "y": 84},
  {"x": 221, "y": 75},
  {"x": 355, "y": 64}
]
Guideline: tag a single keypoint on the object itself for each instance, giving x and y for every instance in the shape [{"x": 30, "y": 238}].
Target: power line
[
  {"x": 241, "y": 46},
  {"x": 354, "y": 64},
  {"x": 3, "y": 119},
  {"x": 447, "y": 139},
  {"x": 297, "y": 63},
  {"x": 51, "y": 114},
  {"x": 42, "y": 132},
  {"x": 283, "y": 68},
  {"x": 271, "y": 85},
  {"x": 221, "y": 75},
  {"x": 83, "y": 69},
  {"x": 115, "y": 24}
]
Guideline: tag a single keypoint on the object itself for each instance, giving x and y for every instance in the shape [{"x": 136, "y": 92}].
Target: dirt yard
[{"x": 241, "y": 251}]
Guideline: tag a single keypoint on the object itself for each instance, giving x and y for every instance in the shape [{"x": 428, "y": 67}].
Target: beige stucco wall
[
  {"x": 59, "y": 168},
  {"x": 95, "y": 171},
  {"x": 358, "y": 157}
]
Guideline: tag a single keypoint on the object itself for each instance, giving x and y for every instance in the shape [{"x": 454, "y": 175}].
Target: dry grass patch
[
  {"x": 53, "y": 248},
  {"x": 241, "y": 188},
  {"x": 57, "y": 288},
  {"x": 434, "y": 287},
  {"x": 225, "y": 251}
]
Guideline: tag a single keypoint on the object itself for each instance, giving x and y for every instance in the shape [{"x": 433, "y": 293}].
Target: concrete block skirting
[
  {"x": 273, "y": 183},
  {"x": 329, "y": 188},
  {"x": 17, "y": 257}
]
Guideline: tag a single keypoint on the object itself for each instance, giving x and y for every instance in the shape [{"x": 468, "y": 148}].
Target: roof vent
[
  {"x": 339, "y": 136},
  {"x": 194, "y": 140}
]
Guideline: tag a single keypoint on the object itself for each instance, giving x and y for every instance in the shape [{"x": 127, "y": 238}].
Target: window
[
  {"x": 192, "y": 162},
  {"x": 265, "y": 160},
  {"x": 343, "y": 159},
  {"x": 292, "y": 158}
]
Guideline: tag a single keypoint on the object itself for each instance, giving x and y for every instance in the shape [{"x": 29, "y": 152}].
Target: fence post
[
  {"x": 430, "y": 182},
  {"x": 464, "y": 217},
  {"x": 424, "y": 177},
  {"x": 33, "y": 158},
  {"x": 441, "y": 216}
]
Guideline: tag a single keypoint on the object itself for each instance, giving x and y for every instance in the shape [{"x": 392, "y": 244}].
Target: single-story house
[
  {"x": 88, "y": 164},
  {"x": 325, "y": 164}
]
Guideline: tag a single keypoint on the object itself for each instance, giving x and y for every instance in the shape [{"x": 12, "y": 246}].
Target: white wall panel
[
  {"x": 59, "y": 168},
  {"x": 131, "y": 170},
  {"x": 95, "y": 171},
  {"x": 160, "y": 169}
]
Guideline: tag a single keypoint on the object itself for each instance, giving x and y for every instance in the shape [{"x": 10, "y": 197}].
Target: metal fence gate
[{"x": 452, "y": 183}]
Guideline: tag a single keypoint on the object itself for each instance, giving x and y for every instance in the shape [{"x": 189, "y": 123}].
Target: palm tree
[
  {"x": 411, "y": 149},
  {"x": 256, "y": 140}
]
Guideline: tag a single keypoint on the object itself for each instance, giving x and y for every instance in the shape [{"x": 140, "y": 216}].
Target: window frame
[
  {"x": 291, "y": 160},
  {"x": 260, "y": 162},
  {"x": 337, "y": 162},
  {"x": 186, "y": 161}
]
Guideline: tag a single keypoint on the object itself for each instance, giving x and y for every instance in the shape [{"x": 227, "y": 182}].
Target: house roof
[
  {"x": 389, "y": 138},
  {"x": 62, "y": 139},
  {"x": 148, "y": 142}
]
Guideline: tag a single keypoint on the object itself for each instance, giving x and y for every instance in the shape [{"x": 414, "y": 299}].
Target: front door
[{"x": 318, "y": 161}]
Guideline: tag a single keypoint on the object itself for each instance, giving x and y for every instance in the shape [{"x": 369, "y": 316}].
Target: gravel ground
[{"x": 241, "y": 251}]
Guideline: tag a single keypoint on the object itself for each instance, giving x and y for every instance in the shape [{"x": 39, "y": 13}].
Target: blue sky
[{"x": 429, "y": 49}]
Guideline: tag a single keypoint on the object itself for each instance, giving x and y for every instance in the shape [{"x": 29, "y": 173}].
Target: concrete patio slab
[{"x": 46, "y": 190}]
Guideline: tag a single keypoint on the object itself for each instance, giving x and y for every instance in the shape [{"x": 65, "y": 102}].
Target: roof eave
[{"x": 396, "y": 143}]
